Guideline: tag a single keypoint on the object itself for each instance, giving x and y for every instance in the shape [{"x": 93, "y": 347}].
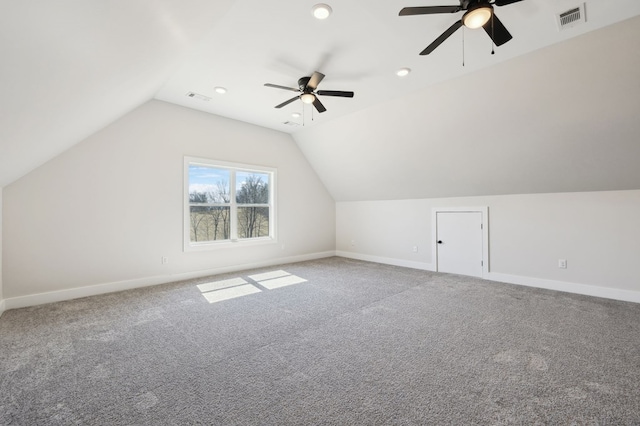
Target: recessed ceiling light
[
  {"x": 403, "y": 72},
  {"x": 220, "y": 90},
  {"x": 321, "y": 11},
  {"x": 296, "y": 115}
]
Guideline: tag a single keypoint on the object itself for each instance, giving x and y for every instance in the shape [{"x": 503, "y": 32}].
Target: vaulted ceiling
[{"x": 553, "y": 110}]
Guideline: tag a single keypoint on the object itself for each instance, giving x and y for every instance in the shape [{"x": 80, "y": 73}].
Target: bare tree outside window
[
  {"x": 209, "y": 204},
  {"x": 209, "y": 217},
  {"x": 220, "y": 216},
  {"x": 253, "y": 206},
  {"x": 198, "y": 213}
]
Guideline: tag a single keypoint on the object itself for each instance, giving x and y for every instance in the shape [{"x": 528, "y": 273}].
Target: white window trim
[{"x": 189, "y": 246}]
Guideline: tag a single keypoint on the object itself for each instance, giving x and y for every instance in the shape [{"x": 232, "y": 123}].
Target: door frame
[{"x": 484, "y": 211}]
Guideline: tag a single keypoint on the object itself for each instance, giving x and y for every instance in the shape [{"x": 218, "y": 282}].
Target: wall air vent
[
  {"x": 571, "y": 17},
  {"x": 198, "y": 96}
]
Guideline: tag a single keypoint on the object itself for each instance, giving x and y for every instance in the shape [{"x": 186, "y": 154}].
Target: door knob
[{"x": 439, "y": 241}]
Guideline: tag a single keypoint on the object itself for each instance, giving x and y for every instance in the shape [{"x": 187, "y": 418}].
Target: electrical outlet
[
  {"x": 562, "y": 263},
  {"x": 353, "y": 243},
  {"x": 165, "y": 260},
  {"x": 415, "y": 249}
]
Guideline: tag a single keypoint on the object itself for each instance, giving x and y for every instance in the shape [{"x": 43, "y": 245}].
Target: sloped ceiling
[
  {"x": 359, "y": 48},
  {"x": 531, "y": 118},
  {"x": 562, "y": 119},
  {"x": 71, "y": 67}
]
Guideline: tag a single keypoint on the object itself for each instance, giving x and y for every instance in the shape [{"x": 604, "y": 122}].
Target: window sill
[{"x": 227, "y": 244}]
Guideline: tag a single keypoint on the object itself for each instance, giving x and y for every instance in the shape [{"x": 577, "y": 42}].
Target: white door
[{"x": 459, "y": 242}]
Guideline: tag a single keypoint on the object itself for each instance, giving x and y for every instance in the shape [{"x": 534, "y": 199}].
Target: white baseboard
[
  {"x": 386, "y": 260},
  {"x": 585, "y": 289},
  {"x": 74, "y": 293},
  {"x": 567, "y": 287},
  {"x": 94, "y": 290}
]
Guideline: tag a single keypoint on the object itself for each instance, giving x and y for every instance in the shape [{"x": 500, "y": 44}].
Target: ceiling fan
[
  {"x": 478, "y": 13},
  {"x": 307, "y": 88}
]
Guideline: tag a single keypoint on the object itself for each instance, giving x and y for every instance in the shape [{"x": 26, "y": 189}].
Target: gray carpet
[{"x": 356, "y": 344}]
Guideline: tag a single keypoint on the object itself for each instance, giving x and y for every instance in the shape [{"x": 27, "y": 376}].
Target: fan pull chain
[
  {"x": 463, "y": 45},
  {"x": 493, "y": 44}
]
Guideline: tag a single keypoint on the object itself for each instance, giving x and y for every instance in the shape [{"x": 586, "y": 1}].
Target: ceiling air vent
[
  {"x": 198, "y": 96},
  {"x": 571, "y": 17},
  {"x": 291, "y": 123}
]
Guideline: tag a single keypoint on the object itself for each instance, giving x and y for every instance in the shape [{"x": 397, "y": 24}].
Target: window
[{"x": 227, "y": 202}]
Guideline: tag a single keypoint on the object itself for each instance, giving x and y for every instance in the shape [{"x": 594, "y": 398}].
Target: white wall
[
  {"x": 107, "y": 210},
  {"x": 1, "y": 298},
  {"x": 597, "y": 232}
]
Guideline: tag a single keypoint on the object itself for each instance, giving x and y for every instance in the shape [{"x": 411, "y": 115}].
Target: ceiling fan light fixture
[
  {"x": 478, "y": 16},
  {"x": 321, "y": 11},
  {"x": 307, "y": 98}
]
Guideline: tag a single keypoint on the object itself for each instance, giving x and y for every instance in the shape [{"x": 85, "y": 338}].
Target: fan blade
[
  {"x": 335, "y": 93},
  {"x": 315, "y": 79},
  {"x": 287, "y": 102},
  {"x": 499, "y": 32},
  {"x": 505, "y": 2},
  {"x": 319, "y": 105},
  {"x": 281, "y": 87},
  {"x": 428, "y": 10},
  {"x": 445, "y": 35}
]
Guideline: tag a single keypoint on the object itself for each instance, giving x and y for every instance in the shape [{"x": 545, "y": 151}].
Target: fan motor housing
[
  {"x": 302, "y": 83},
  {"x": 466, "y": 4}
]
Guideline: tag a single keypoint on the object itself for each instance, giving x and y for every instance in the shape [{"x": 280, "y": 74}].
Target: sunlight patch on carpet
[
  {"x": 269, "y": 275},
  {"x": 218, "y": 285},
  {"x": 231, "y": 288},
  {"x": 282, "y": 282},
  {"x": 276, "y": 279},
  {"x": 230, "y": 293}
]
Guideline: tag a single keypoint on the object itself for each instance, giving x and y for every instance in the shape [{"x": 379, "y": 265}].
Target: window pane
[
  {"x": 252, "y": 188},
  {"x": 208, "y": 184},
  {"x": 253, "y": 222},
  {"x": 210, "y": 223},
  {"x": 226, "y": 202}
]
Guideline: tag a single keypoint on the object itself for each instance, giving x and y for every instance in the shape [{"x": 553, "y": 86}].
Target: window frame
[{"x": 233, "y": 241}]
